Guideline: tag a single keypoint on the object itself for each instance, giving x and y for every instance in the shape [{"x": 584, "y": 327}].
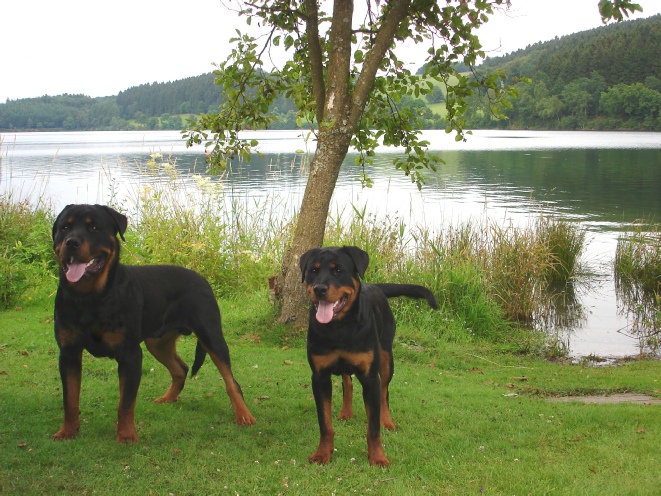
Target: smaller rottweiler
[
  {"x": 351, "y": 331},
  {"x": 108, "y": 309}
]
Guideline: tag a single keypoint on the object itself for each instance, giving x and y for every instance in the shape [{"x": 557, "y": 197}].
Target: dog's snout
[
  {"x": 73, "y": 243},
  {"x": 320, "y": 289}
]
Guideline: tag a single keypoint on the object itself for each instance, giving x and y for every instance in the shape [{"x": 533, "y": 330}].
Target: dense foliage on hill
[
  {"x": 192, "y": 95},
  {"x": 623, "y": 53},
  {"x": 604, "y": 78}
]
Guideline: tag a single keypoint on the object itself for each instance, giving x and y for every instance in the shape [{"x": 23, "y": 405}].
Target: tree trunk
[
  {"x": 341, "y": 114},
  {"x": 309, "y": 233}
]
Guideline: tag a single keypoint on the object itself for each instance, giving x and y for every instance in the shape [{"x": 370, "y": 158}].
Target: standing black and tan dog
[
  {"x": 108, "y": 309},
  {"x": 351, "y": 331}
]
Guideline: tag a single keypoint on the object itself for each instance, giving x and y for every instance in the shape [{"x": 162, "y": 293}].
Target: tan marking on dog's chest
[{"x": 362, "y": 361}]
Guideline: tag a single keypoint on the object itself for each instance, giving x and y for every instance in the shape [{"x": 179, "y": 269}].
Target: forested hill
[
  {"x": 604, "y": 78},
  {"x": 622, "y": 53},
  {"x": 191, "y": 95},
  {"x": 148, "y": 106}
]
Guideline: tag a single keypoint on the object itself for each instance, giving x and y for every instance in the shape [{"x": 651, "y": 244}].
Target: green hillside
[{"x": 604, "y": 78}]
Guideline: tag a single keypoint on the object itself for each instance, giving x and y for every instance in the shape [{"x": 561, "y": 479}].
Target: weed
[
  {"x": 490, "y": 280},
  {"x": 26, "y": 250},
  {"x": 637, "y": 270}
]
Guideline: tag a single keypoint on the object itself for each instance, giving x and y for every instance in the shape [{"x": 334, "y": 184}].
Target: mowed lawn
[{"x": 470, "y": 420}]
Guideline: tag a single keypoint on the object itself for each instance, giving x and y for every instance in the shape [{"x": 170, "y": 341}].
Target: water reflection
[
  {"x": 638, "y": 286},
  {"x": 642, "y": 309}
]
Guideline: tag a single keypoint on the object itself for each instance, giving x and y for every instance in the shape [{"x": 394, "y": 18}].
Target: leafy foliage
[{"x": 377, "y": 86}]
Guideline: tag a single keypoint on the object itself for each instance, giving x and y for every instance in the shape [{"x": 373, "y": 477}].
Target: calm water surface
[{"x": 604, "y": 181}]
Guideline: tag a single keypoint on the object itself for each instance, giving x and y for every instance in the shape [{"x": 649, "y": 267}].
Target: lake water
[{"x": 604, "y": 181}]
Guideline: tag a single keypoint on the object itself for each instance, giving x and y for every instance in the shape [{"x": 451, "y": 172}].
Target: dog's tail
[
  {"x": 200, "y": 355},
  {"x": 410, "y": 290}
]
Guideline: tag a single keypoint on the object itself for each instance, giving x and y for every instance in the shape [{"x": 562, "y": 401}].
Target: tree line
[{"x": 604, "y": 78}]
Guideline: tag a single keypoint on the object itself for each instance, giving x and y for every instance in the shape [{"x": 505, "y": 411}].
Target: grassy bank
[
  {"x": 470, "y": 396},
  {"x": 470, "y": 420}
]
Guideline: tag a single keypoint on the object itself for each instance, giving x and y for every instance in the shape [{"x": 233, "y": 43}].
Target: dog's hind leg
[
  {"x": 346, "y": 412},
  {"x": 216, "y": 347},
  {"x": 165, "y": 351},
  {"x": 386, "y": 373}
]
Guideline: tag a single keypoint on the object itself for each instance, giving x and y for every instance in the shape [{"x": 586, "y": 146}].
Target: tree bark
[
  {"x": 341, "y": 115},
  {"x": 311, "y": 223}
]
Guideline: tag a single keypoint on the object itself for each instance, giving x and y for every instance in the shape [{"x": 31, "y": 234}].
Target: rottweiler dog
[
  {"x": 109, "y": 309},
  {"x": 350, "y": 332}
]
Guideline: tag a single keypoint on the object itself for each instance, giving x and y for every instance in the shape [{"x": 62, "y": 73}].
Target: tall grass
[
  {"x": 235, "y": 244},
  {"x": 490, "y": 280},
  {"x": 486, "y": 276},
  {"x": 637, "y": 270},
  {"x": 25, "y": 248}
]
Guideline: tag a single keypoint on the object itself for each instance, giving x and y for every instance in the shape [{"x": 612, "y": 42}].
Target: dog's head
[
  {"x": 332, "y": 278},
  {"x": 86, "y": 245}
]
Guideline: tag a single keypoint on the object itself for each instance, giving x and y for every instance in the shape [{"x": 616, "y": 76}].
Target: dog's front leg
[
  {"x": 129, "y": 368},
  {"x": 322, "y": 389},
  {"x": 71, "y": 365},
  {"x": 372, "y": 397}
]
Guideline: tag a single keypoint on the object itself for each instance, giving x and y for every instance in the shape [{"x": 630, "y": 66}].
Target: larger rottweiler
[
  {"x": 108, "y": 309},
  {"x": 351, "y": 331}
]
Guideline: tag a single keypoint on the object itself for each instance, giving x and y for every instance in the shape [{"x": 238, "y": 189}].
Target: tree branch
[
  {"x": 339, "y": 62},
  {"x": 316, "y": 57},
  {"x": 398, "y": 10}
]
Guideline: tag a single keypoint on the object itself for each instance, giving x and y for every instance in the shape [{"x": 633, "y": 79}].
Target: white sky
[{"x": 101, "y": 48}]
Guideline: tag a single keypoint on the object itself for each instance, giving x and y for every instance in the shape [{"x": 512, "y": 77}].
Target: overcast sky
[{"x": 101, "y": 48}]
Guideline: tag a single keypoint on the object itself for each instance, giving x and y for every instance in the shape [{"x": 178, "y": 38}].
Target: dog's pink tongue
[
  {"x": 75, "y": 272},
  {"x": 324, "y": 312}
]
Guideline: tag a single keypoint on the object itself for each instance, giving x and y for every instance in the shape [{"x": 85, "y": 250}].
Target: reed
[
  {"x": 25, "y": 248},
  {"x": 489, "y": 279},
  {"x": 637, "y": 269},
  {"x": 235, "y": 243}
]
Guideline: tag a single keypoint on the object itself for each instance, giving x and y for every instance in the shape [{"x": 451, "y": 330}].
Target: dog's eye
[
  {"x": 337, "y": 270},
  {"x": 93, "y": 228}
]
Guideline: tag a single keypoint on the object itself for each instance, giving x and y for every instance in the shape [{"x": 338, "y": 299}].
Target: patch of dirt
[{"x": 641, "y": 399}]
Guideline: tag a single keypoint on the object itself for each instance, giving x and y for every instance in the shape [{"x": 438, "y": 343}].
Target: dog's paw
[
  {"x": 65, "y": 433},
  {"x": 320, "y": 457},
  {"x": 127, "y": 436},
  {"x": 379, "y": 461},
  {"x": 244, "y": 418}
]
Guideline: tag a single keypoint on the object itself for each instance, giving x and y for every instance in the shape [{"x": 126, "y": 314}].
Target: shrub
[{"x": 26, "y": 253}]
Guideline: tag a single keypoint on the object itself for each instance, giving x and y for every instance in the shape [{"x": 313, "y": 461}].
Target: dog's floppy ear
[
  {"x": 304, "y": 261},
  {"x": 360, "y": 259},
  {"x": 119, "y": 219},
  {"x": 60, "y": 216}
]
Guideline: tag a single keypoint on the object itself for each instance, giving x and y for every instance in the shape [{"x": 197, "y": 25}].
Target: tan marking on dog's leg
[
  {"x": 241, "y": 411},
  {"x": 346, "y": 412},
  {"x": 125, "y": 419},
  {"x": 165, "y": 351},
  {"x": 71, "y": 422},
  {"x": 386, "y": 375},
  {"x": 324, "y": 451},
  {"x": 375, "y": 453}
]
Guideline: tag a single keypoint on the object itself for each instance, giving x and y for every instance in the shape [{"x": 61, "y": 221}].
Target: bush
[{"x": 26, "y": 253}]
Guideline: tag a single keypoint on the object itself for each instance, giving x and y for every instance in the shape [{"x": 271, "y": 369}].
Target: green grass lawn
[{"x": 469, "y": 420}]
